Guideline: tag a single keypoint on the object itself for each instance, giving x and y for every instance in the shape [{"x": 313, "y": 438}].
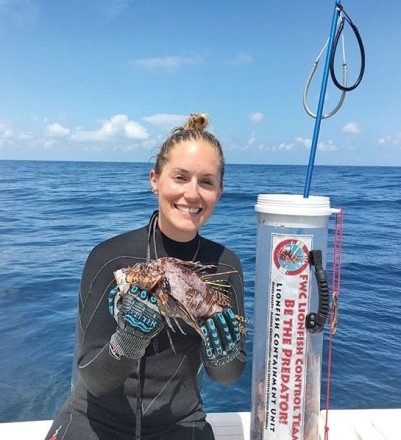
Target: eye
[
  {"x": 208, "y": 183},
  {"x": 180, "y": 178}
]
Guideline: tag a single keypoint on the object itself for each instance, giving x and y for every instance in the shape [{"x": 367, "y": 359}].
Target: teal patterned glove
[
  {"x": 221, "y": 339},
  {"x": 138, "y": 320}
]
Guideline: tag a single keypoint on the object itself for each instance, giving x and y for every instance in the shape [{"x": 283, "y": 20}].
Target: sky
[{"x": 107, "y": 80}]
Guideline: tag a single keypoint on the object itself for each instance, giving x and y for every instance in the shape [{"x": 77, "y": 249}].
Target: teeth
[{"x": 189, "y": 210}]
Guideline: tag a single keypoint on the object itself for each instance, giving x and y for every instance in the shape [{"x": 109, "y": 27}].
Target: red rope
[{"x": 336, "y": 282}]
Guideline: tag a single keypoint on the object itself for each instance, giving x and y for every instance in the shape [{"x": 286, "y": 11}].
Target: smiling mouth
[{"x": 188, "y": 210}]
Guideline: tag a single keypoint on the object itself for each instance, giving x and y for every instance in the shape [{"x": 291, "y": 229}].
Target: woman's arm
[{"x": 98, "y": 368}]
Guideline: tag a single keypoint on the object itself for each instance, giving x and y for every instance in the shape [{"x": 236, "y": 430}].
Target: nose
[{"x": 192, "y": 191}]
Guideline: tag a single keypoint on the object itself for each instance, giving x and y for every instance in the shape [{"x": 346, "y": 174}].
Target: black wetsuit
[{"x": 103, "y": 402}]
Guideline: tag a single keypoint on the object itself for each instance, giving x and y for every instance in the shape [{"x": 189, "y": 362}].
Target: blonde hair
[{"x": 193, "y": 129}]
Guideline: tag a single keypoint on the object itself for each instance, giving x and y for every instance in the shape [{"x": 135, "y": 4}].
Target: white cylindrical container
[{"x": 286, "y": 369}]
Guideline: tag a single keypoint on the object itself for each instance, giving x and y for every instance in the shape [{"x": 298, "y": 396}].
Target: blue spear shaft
[{"x": 319, "y": 112}]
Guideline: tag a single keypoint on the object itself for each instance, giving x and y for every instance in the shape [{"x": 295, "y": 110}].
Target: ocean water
[{"x": 53, "y": 213}]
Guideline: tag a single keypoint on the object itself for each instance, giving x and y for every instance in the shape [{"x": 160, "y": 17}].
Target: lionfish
[{"x": 183, "y": 289}]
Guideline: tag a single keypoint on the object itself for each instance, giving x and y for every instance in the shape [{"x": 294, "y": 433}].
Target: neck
[
  {"x": 180, "y": 235},
  {"x": 164, "y": 245}
]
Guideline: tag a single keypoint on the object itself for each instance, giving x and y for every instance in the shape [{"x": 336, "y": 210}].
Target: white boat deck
[{"x": 367, "y": 424}]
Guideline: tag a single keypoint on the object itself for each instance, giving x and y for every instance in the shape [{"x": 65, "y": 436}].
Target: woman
[{"x": 138, "y": 378}]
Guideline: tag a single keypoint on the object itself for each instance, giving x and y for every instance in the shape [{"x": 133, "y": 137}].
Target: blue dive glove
[
  {"x": 138, "y": 319},
  {"x": 221, "y": 342}
]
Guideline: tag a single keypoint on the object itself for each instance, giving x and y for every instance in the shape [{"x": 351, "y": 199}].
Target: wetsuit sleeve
[
  {"x": 101, "y": 372},
  {"x": 231, "y": 371}
]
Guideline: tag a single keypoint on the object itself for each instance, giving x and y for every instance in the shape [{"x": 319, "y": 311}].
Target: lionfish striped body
[{"x": 183, "y": 289}]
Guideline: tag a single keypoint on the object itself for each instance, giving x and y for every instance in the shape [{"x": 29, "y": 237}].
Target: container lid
[{"x": 294, "y": 204}]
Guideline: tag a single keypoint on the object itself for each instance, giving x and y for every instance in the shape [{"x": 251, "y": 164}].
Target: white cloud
[
  {"x": 117, "y": 127},
  {"x": 304, "y": 141},
  {"x": 322, "y": 146},
  {"x": 168, "y": 63},
  {"x": 251, "y": 140},
  {"x": 133, "y": 130},
  {"x": 56, "y": 130},
  {"x": 392, "y": 140},
  {"x": 256, "y": 117},
  {"x": 384, "y": 140},
  {"x": 6, "y": 130},
  {"x": 352, "y": 128},
  {"x": 26, "y": 136},
  {"x": 164, "y": 120},
  {"x": 327, "y": 146},
  {"x": 283, "y": 146},
  {"x": 14, "y": 138}
]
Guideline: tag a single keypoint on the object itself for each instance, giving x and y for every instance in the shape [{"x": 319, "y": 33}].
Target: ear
[{"x": 154, "y": 183}]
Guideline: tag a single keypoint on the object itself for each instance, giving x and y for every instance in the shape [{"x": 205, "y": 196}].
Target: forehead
[{"x": 194, "y": 154}]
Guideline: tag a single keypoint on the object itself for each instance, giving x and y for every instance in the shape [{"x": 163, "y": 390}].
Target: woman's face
[{"x": 188, "y": 188}]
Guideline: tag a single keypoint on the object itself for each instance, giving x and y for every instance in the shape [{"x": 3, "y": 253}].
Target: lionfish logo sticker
[{"x": 291, "y": 256}]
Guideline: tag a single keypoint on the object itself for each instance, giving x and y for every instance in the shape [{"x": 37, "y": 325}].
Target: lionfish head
[{"x": 145, "y": 275}]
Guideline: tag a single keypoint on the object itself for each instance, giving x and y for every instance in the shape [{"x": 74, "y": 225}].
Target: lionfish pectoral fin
[
  {"x": 195, "y": 265},
  {"x": 171, "y": 339},
  {"x": 178, "y": 325},
  {"x": 172, "y": 308},
  {"x": 168, "y": 320}
]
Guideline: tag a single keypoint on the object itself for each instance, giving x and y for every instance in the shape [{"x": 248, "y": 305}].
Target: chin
[{"x": 188, "y": 228}]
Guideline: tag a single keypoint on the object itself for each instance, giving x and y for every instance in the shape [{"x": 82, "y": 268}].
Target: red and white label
[{"x": 289, "y": 293}]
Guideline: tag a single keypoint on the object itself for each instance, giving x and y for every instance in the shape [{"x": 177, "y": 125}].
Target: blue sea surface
[{"x": 53, "y": 213}]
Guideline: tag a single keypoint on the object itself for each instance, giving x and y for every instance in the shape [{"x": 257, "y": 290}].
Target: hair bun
[{"x": 197, "y": 121}]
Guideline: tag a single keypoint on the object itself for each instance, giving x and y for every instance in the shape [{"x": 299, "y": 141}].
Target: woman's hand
[
  {"x": 138, "y": 319},
  {"x": 221, "y": 339}
]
